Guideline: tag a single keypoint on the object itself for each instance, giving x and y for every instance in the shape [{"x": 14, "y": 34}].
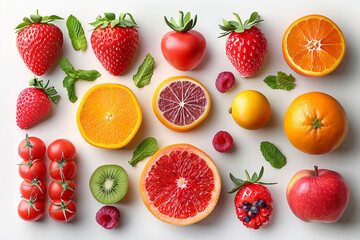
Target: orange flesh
[
  {"x": 111, "y": 119},
  {"x": 314, "y": 44}
]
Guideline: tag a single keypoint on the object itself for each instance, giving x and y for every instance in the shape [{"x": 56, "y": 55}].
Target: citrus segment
[
  {"x": 180, "y": 184},
  {"x": 109, "y": 116},
  {"x": 313, "y": 45},
  {"x": 181, "y": 103}
]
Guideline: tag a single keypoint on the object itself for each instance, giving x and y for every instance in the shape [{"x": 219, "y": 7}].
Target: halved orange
[
  {"x": 109, "y": 116},
  {"x": 181, "y": 103},
  {"x": 313, "y": 45},
  {"x": 180, "y": 184}
]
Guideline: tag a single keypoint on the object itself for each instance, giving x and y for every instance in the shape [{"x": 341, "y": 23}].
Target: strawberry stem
[
  {"x": 239, "y": 27},
  {"x": 50, "y": 91}
]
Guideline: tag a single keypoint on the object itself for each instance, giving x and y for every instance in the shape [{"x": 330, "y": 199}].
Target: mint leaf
[
  {"x": 76, "y": 33},
  {"x": 72, "y": 76},
  {"x": 66, "y": 66},
  {"x": 281, "y": 81},
  {"x": 272, "y": 154},
  {"x": 88, "y": 75},
  {"x": 145, "y": 72},
  {"x": 146, "y": 148}
]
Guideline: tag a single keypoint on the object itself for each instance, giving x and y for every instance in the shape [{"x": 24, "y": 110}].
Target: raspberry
[
  {"x": 224, "y": 81},
  {"x": 222, "y": 141},
  {"x": 108, "y": 217}
]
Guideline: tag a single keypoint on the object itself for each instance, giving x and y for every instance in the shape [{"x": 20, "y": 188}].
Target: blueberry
[
  {"x": 261, "y": 201},
  {"x": 255, "y": 203},
  {"x": 254, "y": 209},
  {"x": 246, "y": 208},
  {"x": 241, "y": 206},
  {"x": 251, "y": 214},
  {"x": 261, "y": 204},
  {"x": 246, "y": 203},
  {"x": 246, "y": 219}
]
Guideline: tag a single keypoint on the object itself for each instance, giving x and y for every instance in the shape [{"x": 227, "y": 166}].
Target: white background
[{"x": 136, "y": 221}]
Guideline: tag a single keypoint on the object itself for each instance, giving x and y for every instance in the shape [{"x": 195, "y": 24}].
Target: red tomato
[
  {"x": 34, "y": 145},
  {"x": 62, "y": 211},
  {"x": 64, "y": 190},
  {"x": 61, "y": 148},
  {"x": 63, "y": 169},
  {"x": 183, "y": 50},
  {"x": 35, "y": 169},
  {"x": 34, "y": 187},
  {"x": 31, "y": 209}
]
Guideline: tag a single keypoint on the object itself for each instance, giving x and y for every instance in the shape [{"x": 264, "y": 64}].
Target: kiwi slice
[{"x": 109, "y": 184}]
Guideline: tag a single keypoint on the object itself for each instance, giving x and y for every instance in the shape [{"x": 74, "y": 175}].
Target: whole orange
[{"x": 316, "y": 123}]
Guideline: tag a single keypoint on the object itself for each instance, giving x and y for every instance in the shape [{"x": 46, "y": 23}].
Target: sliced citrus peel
[
  {"x": 180, "y": 184},
  {"x": 109, "y": 116},
  {"x": 313, "y": 45},
  {"x": 181, "y": 111}
]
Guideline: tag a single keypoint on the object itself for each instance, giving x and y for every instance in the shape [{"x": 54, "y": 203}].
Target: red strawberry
[
  {"x": 246, "y": 45},
  {"x": 39, "y": 42},
  {"x": 34, "y": 103},
  {"x": 114, "y": 42},
  {"x": 253, "y": 202}
]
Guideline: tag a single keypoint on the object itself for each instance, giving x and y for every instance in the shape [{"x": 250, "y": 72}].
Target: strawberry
[
  {"x": 39, "y": 42},
  {"x": 246, "y": 45},
  {"x": 253, "y": 201},
  {"x": 114, "y": 42},
  {"x": 34, "y": 103}
]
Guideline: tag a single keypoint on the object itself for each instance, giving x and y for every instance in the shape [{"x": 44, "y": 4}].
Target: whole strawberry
[
  {"x": 39, "y": 42},
  {"x": 114, "y": 42},
  {"x": 253, "y": 201},
  {"x": 34, "y": 103},
  {"x": 246, "y": 45}
]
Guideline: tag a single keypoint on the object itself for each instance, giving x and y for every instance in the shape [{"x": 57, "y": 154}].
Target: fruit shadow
[
  {"x": 349, "y": 215},
  {"x": 349, "y": 142}
]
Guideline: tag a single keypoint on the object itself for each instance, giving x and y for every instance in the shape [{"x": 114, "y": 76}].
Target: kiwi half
[{"x": 109, "y": 184}]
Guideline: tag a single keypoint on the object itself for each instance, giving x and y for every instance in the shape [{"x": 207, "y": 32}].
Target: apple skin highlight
[{"x": 318, "y": 195}]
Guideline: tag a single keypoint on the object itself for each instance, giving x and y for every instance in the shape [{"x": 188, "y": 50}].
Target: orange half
[
  {"x": 313, "y": 45},
  {"x": 109, "y": 116}
]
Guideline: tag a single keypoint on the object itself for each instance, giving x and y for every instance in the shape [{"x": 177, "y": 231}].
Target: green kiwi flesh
[{"x": 109, "y": 184}]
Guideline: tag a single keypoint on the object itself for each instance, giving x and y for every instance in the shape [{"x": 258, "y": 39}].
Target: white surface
[{"x": 136, "y": 221}]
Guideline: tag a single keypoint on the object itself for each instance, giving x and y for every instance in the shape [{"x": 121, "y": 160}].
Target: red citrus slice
[
  {"x": 181, "y": 103},
  {"x": 180, "y": 184}
]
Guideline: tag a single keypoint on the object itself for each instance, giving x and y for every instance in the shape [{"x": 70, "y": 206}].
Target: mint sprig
[
  {"x": 145, "y": 72},
  {"x": 76, "y": 33},
  {"x": 272, "y": 154},
  {"x": 280, "y": 81},
  {"x": 146, "y": 148},
  {"x": 73, "y": 76}
]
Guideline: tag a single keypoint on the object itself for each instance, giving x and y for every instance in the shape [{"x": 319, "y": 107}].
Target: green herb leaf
[
  {"x": 146, "y": 148},
  {"x": 272, "y": 154},
  {"x": 281, "y": 81},
  {"x": 145, "y": 72},
  {"x": 76, "y": 33},
  {"x": 72, "y": 76},
  {"x": 88, "y": 75},
  {"x": 235, "y": 180}
]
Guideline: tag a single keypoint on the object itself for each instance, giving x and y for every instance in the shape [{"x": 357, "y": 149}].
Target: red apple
[{"x": 318, "y": 195}]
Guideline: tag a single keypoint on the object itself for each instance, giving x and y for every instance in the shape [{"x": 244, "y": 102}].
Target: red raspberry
[
  {"x": 108, "y": 217},
  {"x": 222, "y": 141},
  {"x": 224, "y": 81}
]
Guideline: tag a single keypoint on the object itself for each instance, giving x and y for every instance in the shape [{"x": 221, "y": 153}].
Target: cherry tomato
[
  {"x": 32, "y": 145},
  {"x": 31, "y": 209},
  {"x": 64, "y": 190},
  {"x": 183, "y": 50},
  {"x": 61, "y": 148},
  {"x": 33, "y": 187},
  {"x": 63, "y": 169},
  {"x": 62, "y": 210},
  {"x": 34, "y": 169}
]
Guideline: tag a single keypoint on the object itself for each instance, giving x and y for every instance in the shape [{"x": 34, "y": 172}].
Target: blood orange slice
[
  {"x": 181, "y": 103},
  {"x": 180, "y": 184}
]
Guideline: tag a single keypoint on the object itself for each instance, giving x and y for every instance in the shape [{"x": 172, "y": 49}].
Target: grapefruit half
[
  {"x": 180, "y": 184},
  {"x": 181, "y": 103}
]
